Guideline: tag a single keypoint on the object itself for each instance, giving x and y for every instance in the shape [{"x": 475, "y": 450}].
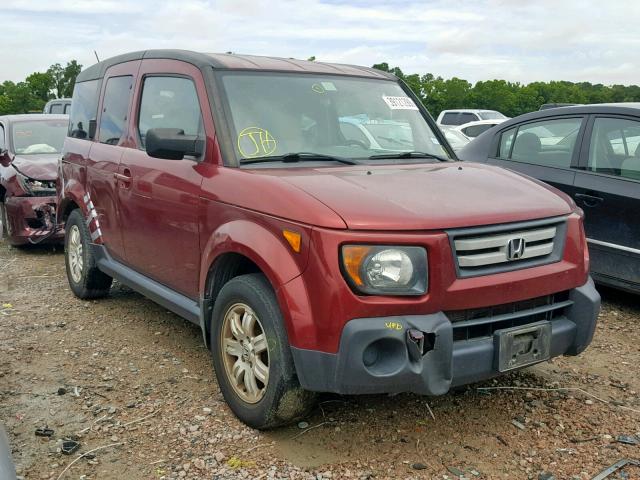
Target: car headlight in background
[{"x": 386, "y": 270}]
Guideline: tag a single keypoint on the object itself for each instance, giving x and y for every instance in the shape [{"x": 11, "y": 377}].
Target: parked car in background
[
  {"x": 377, "y": 134},
  {"x": 58, "y": 106},
  {"x": 226, "y": 188},
  {"x": 30, "y": 147},
  {"x": 592, "y": 153},
  {"x": 472, "y": 129},
  {"x": 456, "y": 139},
  {"x": 547, "y": 106},
  {"x": 462, "y": 116}
]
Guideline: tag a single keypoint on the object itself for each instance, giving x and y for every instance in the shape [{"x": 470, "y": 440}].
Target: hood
[
  {"x": 37, "y": 167},
  {"x": 427, "y": 197}
]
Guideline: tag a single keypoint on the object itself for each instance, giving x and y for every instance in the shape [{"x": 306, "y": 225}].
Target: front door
[
  {"x": 159, "y": 198},
  {"x": 104, "y": 156},
  {"x": 608, "y": 189},
  {"x": 544, "y": 149}
]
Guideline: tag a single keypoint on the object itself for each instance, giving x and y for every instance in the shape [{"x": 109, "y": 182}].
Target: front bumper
[
  {"x": 375, "y": 357},
  {"x": 31, "y": 220}
]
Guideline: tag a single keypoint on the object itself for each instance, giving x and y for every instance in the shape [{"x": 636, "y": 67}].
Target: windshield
[
  {"x": 39, "y": 136},
  {"x": 491, "y": 115},
  {"x": 276, "y": 114}
]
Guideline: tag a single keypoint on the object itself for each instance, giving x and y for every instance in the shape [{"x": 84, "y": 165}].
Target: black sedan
[{"x": 591, "y": 153}]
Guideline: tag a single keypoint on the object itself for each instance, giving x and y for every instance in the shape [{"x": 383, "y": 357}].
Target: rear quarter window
[{"x": 84, "y": 109}]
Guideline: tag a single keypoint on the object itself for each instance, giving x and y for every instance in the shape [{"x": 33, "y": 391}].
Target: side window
[
  {"x": 67, "y": 107},
  {"x": 475, "y": 130},
  {"x": 450, "y": 119},
  {"x": 504, "y": 147},
  {"x": 169, "y": 102},
  {"x": 83, "y": 109},
  {"x": 115, "y": 108},
  {"x": 467, "y": 117},
  {"x": 55, "y": 108},
  {"x": 615, "y": 147},
  {"x": 2, "y": 140},
  {"x": 549, "y": 143}
]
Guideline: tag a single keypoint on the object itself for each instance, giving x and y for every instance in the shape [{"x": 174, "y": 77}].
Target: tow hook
[{"x": 415, "y": 344}]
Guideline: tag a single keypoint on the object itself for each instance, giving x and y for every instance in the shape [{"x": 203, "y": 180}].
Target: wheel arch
[{"x": 241, "y": 247}]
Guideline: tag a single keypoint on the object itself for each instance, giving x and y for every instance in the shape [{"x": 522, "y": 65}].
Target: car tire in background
[
  {"x": 251, "y": 355},
  {"x": 85, "y": 280}
]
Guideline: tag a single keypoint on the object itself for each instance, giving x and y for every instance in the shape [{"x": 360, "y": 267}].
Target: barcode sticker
[{"x": 399, "y": 103}]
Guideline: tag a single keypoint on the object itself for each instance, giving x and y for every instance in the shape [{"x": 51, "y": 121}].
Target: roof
[
  {"x": 225, "y": 61},
  {"x": 472, "y": 110},
  {"x": 32, "y": 116},
  {"x": 631, "y": 108}
]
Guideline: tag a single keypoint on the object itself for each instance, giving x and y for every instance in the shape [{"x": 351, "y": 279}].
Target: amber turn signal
[
  {"x": 294, "y": 239},
  {"x": 352, "y": 257}
]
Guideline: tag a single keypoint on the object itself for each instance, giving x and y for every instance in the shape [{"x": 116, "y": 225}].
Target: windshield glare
[
  {"x": 39, "y": 136},
  {"x": 276, "y": 114}
]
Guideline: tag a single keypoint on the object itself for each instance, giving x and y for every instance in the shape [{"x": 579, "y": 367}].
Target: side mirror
[
  {"x": 172, "y": 143},
  {"x": 5, "y": 158}
]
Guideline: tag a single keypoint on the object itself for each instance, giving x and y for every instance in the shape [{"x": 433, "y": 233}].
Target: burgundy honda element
[{"x": 314, "y": 222}]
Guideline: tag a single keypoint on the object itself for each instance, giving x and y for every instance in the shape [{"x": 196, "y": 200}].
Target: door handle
[
  {"x": 589, "y": 200},
  {"x": 125, "y": 178}
]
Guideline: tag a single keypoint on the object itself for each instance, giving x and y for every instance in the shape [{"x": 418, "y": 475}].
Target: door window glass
[
  {"x": 615, "y": 147},
  {"x": 475, "y": 130},
  {"x": 450, "y": 119},
  {"x": 467, "y": 117},
  {"x": 55, "y": 108},
  {"x": 67, "y": 107},
  {"x": 2, "y": 140},
  {"x": 115, "y": 108},
  {"x": 549, "y": 143},
  {"x": 83, "y": 109},
  {"x": 506, "y": 139},
  {"x": 169, "y": 102}
]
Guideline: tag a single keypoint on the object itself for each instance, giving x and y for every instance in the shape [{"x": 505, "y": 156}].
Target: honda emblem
[{"x": 515, "y": 248}]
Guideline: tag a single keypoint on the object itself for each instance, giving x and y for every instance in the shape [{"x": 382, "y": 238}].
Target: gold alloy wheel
[
  {"x": 244, "y": 352},
  {"x": 74, "y": 252}
]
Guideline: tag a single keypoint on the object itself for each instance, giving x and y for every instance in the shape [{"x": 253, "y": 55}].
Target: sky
[{"x": 516, "y": 40}]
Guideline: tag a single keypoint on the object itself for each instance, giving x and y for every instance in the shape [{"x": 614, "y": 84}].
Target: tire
[
  {"x": 281, "y": 400},
  {"x": 85, "y": 279}
]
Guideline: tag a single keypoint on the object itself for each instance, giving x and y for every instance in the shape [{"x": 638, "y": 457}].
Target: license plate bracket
[{"x": 519, "y": 347}]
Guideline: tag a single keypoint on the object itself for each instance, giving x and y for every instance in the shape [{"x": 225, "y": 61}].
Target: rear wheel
[
  {"x": 85, "y": 279},
  {"x": 251, "y": 355}
]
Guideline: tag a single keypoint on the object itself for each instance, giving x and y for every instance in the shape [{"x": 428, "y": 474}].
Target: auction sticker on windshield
[{"x": 399, "y": 103}]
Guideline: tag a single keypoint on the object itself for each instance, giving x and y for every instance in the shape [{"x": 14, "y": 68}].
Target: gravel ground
[{"x": 133, "y": 382}]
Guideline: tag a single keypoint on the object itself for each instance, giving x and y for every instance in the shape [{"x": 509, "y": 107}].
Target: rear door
[
  {"x": 608, "y": 189},
  {"x": 159, "y": 198},
  {"x": 106, "y": 151},
  {"x": 545, "y": 149}
]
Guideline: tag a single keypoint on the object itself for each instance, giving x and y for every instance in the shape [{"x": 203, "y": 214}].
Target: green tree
[
  {"x": 64, "y": 78},
  {"x": 40, "y": 85}
]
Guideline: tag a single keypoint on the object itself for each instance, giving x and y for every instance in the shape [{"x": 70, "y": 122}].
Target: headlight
[{"x": 386, "y": 270}]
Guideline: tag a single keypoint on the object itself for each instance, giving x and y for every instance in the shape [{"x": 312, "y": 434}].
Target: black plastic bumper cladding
[{"x": 376, "y": 355}]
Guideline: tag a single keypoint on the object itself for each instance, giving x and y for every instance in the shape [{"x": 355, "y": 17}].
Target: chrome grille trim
[
  {"x": 485, "y": 250},
  {"x": 497, "y": 247}
]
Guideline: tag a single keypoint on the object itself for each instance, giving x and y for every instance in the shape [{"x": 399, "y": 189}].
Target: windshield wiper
[
  {"x": 408, "y": 155},
  {"x": 299, "y": 157}
]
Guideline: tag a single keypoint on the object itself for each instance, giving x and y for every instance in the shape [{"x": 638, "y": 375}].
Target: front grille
[
  {"x": 502, "y": 248},
  {"x": 483, "y": 322}
]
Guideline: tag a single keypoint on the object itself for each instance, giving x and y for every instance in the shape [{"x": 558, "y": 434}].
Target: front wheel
[
  {"x": 251, "y": 355},
  {"x": 85, "y": 279}
]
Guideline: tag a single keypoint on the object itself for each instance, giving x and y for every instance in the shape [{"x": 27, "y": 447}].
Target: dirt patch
[{"x": 125, "y": 371}]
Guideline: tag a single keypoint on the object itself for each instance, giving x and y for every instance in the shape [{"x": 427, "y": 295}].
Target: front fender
[
  {"x": 267, "y": 248},
  {"x": 71, "y": 192}
]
